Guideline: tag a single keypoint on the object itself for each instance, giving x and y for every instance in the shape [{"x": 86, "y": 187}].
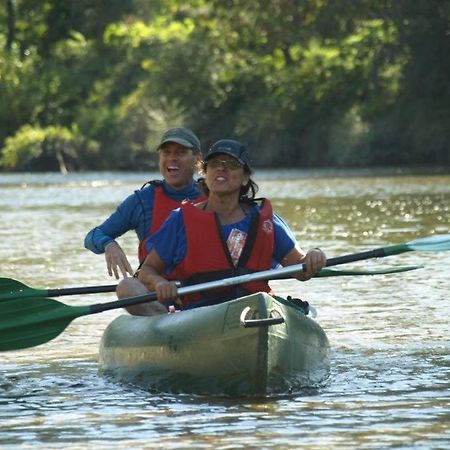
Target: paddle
[
  {"x": 26, "y": 323},
  {"x": 436, "y": 243},
  {"x": 352, "y": 272},
  {"x": 11, "y": 289}
]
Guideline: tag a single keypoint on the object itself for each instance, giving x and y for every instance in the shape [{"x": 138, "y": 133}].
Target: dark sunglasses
[{"x": 232, "y": 164}]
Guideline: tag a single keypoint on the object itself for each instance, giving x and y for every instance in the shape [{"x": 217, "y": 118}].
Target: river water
[{"x": 389, "y": 385}]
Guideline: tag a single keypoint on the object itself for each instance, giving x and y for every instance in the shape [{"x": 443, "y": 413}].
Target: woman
[{"x": 228, "y": 234}]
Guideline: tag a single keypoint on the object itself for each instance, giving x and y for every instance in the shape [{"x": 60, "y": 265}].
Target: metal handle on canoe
[{"x": 252, "y": 323}]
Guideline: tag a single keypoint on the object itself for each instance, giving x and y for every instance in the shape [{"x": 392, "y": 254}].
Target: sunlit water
[{"x": 389, "y": 385}]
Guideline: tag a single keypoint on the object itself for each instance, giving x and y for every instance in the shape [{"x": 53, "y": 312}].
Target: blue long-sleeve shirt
[{"x": 134, "y": 213}]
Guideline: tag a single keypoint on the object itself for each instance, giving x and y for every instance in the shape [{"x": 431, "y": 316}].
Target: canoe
[{"x": 256, "y": 345}]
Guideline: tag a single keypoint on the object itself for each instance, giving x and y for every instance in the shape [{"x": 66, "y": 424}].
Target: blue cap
[{"x": 232, "y": 148}]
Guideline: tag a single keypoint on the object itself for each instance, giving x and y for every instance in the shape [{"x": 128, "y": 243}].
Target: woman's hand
[
  {"x": 150, "y": 274},
  {"x": 166, "y": 291},
  {"x": 313, "y": 261}
]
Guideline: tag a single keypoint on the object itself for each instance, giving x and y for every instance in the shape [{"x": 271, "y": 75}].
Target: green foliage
[
  {"x": 21, "y": 91},
  {"x": 93, "y": 84},
  {"x": 35, "y": 148}
]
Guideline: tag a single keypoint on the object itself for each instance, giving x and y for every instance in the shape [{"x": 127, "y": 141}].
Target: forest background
[{"x": 92, "y": 84}]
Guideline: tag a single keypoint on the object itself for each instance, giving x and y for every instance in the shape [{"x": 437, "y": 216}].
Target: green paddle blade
[
  {"x": 436, "y": 243},
  {"x": 27, "y": 322},
  {"x": 340, "y": 273},
  {"x": 10, "y": 289}
]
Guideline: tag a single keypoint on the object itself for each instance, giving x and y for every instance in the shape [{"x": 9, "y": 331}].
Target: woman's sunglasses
[{"x": 232, "y": 164}]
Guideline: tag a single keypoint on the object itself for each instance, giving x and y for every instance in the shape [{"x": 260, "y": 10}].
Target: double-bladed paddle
[
  {"x": 26, "y": 323},
  {"x": 13, "y": 289}
]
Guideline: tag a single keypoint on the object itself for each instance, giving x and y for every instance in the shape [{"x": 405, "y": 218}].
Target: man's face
[{"x": 177, "y": 164}]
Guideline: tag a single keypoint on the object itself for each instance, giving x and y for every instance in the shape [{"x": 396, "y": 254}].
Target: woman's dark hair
[{"x": 248, "y": 191}]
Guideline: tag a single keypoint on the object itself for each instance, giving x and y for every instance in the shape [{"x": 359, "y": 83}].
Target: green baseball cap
[{"x": 182, "y": 136}]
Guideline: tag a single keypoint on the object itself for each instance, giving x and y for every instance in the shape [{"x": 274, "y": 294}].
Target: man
[{"x": 146, "y": 209}]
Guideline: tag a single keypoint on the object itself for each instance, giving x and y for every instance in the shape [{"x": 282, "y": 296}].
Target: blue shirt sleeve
[
  {"x": 134, "y": 213},
  {"x": 284, "y": 239},
  {"x": 170, "y": 240}
]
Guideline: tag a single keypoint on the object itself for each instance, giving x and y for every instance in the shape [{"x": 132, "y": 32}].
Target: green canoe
[{"x": 254, "y": 345}]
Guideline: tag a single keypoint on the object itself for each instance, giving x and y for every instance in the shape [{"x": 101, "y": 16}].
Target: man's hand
[{"x": 116, "y": 260}]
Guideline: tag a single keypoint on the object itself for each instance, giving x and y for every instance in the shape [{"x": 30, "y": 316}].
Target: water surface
[{"x": 390, "y": 365}]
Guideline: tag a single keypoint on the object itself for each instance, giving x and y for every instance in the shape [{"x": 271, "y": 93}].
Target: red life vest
[
  {"x": 208, "y": 257},
  {"x": 162, "y": 206}
]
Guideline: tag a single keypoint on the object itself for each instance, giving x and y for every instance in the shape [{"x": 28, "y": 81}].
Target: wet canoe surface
[{"x": 208, "y": 351}]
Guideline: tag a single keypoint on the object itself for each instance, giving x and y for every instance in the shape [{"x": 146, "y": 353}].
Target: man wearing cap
[
  {"x": 146, "y": 209},
  {"x": 228, "y": 234}
]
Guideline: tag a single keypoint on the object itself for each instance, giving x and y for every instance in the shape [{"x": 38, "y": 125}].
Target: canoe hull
[{"x": 207, "y": 350}]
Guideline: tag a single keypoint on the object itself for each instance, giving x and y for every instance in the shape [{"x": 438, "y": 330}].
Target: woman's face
[{"x": 225, "y": 175}]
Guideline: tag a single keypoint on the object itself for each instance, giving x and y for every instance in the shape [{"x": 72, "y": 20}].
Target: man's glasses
[{"x": 232, "y": 164}]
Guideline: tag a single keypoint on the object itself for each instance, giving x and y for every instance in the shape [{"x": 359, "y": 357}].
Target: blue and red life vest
[
  {"x": 162, "y": 206},
  {"x": 208, "y": 258}
]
